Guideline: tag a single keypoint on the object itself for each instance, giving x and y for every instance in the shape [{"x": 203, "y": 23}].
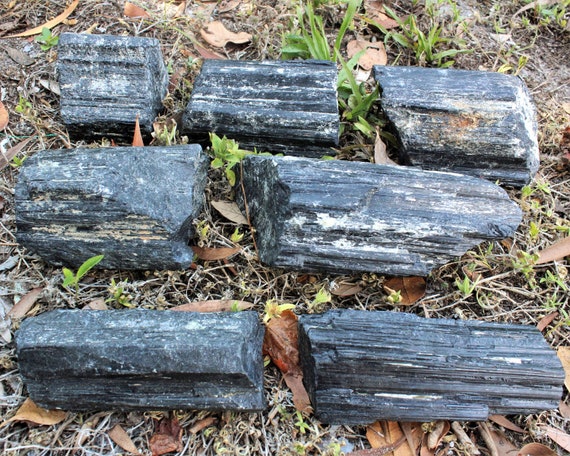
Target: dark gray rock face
[
  {"x": 344, "y": 217},
  {"x": 135, "y": 205},
  {"x": 360, "y": 366},
  {"x": 142, "y": 359},
  {"x": 285, "y": 107},
  {"x": 106, "y": 81},
  {"x": 472, "y": 122}
]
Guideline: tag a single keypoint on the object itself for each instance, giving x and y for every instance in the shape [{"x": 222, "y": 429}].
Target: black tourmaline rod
[
  {"x": 343, "y": 217},
  {"x": 473, "y": 122},
  {"x": 362, "y": 366},
  {"x": 143, "y": 359},
  {"x": 285, "y": 107},
  {"x": 134, "y": 205},
  {"x": 107, "y": 81}
]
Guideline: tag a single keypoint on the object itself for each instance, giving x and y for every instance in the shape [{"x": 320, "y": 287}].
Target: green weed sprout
[
  {"x": 72, "y": 280},
  {"x": 47, "y": 40},
  {"x": 425, "y": 46},
  {"x": 227, "y": 154},
  {"x": 321, "y": 298},
  {"x": 311, "y": 41},
  {"x": 118, "y": 295},
  {"x": 466, "y": 286}
]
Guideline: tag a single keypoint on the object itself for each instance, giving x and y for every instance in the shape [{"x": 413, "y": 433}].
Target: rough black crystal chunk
[
  {"x": 362, "y": 366},
  {"x": 343, "y": 217},
  {"x": 135, "y": 205},
  {"x": 285, "y": 107},
  {"x": 473, "y": 122},
  {"x": 142, "y": 359},
  {"x": 107, "y": 81}
]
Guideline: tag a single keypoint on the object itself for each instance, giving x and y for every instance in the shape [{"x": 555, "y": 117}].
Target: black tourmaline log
[
  {"x": 142, "y": 359},
  {"x": 343, "y": 217},
  {"x": 107, "y": 81},
  {"x": 135, "y": 205},
  {"x": 285, "y": 107},
  {"x": 361, "y": 366},
  {"x": 473, "y": 122}
]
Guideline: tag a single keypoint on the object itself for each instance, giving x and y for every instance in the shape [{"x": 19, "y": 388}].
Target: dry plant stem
[
  {"x": 246, "y": 206},
  {"x": 486, "y": 435},
  {"x": 467, "y": 443}
]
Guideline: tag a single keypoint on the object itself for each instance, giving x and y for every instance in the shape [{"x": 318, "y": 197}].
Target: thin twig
[
  {"x": 486, "y": 435},
  {"x": 467, "y": 443}
]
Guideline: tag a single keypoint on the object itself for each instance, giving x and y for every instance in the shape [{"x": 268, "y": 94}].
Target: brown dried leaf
[
  {"x": 132, "y": 10},
  {"x": 215, "y": 305},
  {"x": 411, "y": 288},
  {"x": 558, "y": 436},
  {"x": 413, "y": 433},
  {"x": 211, "y": 254},
  {"x": 536, "y": 449},
  {"x": 282, "y": 345},
  {"x": 4, "y": 116},
  {"x": 19, "y": 57},
  {"x": 12, "y": 152},
  {"x": 50, "y": 85},
  {"x": 375, "y": 12},
  {"x": 376, "y": 434},
  {"x": 380, "y": 154},
  {"x": 546, "y": 320},
  {"x": 564, "y": 409},
  {"x": 396, "y": 435},
  {"x": 555, "y": 252},
  {"x": 217, "y": 35},
  {"x": 49, "y": 24},
  {"x": 29, "y": 411},
  {"x": 388, "y": 437},
  {"x": 424, "y": 450},
  {"x": 96, "y": 304},
  {"x": 207, "y": 54},
  {"x": 231, "y": 211},
  {"x": 137, "y": 137},
  {"x": 374, "y": 53},
  {"x": 168, "y": 437},
  {"x": 507, "y": 424},
  {"x": 121, "y": 438},
  {"x": 564, "y": 355},
  {"x": 23, "y": 306},
  {"x": 202, "y": 424},
  {"x": 435, "y": 437},
  {"x": 228, "y": 5},
  {"x": 503, "y": 445},
  {"x": 344, "y": 289}
]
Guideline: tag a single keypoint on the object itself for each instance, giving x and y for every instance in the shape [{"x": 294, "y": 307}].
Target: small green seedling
[
  {"x": 227, "y": 154},
  {"x": 466, "y": 286},
  {"x": 236, "y": 236},
  {"x": 23, "y": 107},
  {"x": 321, "y": 298},
  {"x": 274, "y": 310},
  {"x": 118, "y": 294},
  {"x": 47, "y": 40},
  {"x": 17, "y": 161},
  {"x": 300, "y": 423},
  {"x": 72, "y": 280}
]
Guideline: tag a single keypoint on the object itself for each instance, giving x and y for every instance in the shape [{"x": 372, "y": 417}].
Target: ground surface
[{"x": 508, "y": 287}]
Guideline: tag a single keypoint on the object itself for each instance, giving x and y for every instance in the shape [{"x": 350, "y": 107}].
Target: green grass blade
[
  {"x": 352, "y": 8},
  {"x": 88, "y": 265}
]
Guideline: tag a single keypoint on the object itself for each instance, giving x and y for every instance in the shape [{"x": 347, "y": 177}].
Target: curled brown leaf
[{"x": 211, "y": 254}]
